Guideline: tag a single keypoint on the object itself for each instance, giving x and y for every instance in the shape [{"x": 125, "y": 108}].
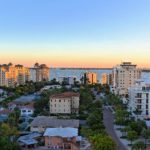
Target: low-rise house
[
  {"x": 61, "y": 138},
  {"x": 4, "y": 114},
  {"x": 64, "y": 103},
  {"x": 40, "y": 123},
  {"x": 12, "y": 105},
  {"x": 48, "y": 87},
  {"x": 26, "y": 110},
  {"x": 29, "y": 140}
]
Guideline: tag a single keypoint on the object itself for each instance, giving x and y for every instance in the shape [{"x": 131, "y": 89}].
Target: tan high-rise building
[
  {"x": 11, "y": 76},
  {"x": 106, "y": 79},
  {"x": 90, "y": 78},
  {"x": 23, "y": 74},
  {"x": 39, "y": 73},
  {"x": 124, "y": 76}
]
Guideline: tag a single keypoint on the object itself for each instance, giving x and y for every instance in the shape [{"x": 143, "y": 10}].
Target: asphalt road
[{"x": 108, "y": 122}]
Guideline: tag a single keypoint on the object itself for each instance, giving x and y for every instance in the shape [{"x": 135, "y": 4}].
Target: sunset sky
[{"x": 75, "y": 33}]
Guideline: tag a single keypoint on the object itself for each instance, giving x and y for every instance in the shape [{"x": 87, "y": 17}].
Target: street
[{"x": 108, "y": 122}]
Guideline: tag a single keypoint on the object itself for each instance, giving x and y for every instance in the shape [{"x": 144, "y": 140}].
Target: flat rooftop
[{"x": 53, "y": 122}]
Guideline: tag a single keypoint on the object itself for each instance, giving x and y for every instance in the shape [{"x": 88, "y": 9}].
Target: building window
[
  {"x": 139, "y": 95},
  {"x": 146, "y": 112},
  {"x": 138, "y": 106},
  {"x": 146, "y": 106},
  {"x": 146, "y": 100},
  {"x": 59, "y": 100},
  {"x": 147, "y": 95},
  {"x": 139, "y": 101}
]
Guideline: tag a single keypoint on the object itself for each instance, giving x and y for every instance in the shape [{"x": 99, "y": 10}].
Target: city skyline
[{"x": 75, "y": 33}]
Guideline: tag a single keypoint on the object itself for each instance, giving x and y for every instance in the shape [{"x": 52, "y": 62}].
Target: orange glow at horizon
[
  {"x": 100, "y": 59},
  {"x": 72, "y": 63}
]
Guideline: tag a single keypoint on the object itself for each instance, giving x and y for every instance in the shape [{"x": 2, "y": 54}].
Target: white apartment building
[
  {"x": 124, "y": 76},
  {"x": 139, "y": 98},
  {"x": 64, "y": 103}
]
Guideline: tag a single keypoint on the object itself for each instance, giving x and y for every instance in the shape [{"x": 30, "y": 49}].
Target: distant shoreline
[
  {"x": 80, "y": 68},
  {"x": 69, "y": 68}
]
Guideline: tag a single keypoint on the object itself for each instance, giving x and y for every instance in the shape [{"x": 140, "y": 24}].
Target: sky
[{"x": 75, "y": 33}]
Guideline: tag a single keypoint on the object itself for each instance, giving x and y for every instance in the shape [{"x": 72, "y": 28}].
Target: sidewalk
[{"x": 119, "y": 134}]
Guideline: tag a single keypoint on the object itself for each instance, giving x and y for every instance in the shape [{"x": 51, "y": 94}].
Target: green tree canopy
[
  {"x": 132, "y": 135},
  {"x": 102, "y": 142},
  {"x": 139, "y": 145}
]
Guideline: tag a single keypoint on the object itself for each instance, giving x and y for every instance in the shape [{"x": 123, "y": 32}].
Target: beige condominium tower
[
  {"x": 39, "y": 73},
  {"x": 124, "y": 76},
  {"x": 11, "y": 75},
  {"x": 90, "y": 78}
]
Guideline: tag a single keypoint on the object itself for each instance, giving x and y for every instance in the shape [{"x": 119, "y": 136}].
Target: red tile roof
[
  {"x": 29, "y": 106},
  {"x": 5, "y": 111},
  {"x": 65, "y": 95}
]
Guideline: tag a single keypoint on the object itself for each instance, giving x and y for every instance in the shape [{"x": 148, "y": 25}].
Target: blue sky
[{"x": 85, "y": 30}]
